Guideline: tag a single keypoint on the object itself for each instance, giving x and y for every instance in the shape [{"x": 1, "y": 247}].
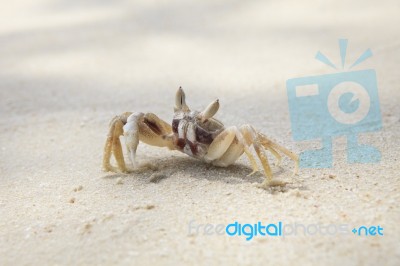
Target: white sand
[{"x": 66, "y": 69}]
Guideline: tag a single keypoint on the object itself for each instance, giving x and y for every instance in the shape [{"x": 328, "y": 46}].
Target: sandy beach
[{"x": 68, "y": 68}]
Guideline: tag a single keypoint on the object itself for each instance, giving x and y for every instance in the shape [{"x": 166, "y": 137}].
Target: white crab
[{"x": 195, "y": 133}]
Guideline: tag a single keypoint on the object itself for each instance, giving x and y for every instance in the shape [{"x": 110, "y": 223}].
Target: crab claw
[
  {"x": 131, "y": 133},
  {"x": 180, "y": 103},
  {"x": 210, "y": 111}
]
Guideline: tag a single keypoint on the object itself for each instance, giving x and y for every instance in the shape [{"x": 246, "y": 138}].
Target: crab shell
[{"x": 194, "y": 135}]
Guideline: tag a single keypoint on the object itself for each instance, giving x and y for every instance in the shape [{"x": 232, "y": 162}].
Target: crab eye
[
  {"x": 210, "y": 110},
  {"x": 179, "y": 98},
  {"x": 180, "y": 103}
]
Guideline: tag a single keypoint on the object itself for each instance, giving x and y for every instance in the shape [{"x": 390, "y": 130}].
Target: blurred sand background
[{"x": 67, "y": 67}]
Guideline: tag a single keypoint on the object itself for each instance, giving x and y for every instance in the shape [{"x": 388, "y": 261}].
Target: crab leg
[
  {"x": 135, "y": 127},
  {"x": 250, "y": 136},
  {"x": 113, "y": 144},
  {"x": 260, "y": 141},
  {"x": 246, "y": 150},
  {"x": 270, "y": 145}
]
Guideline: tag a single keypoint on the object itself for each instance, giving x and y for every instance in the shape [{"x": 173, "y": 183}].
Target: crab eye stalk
[
  {"x": 180, "y": 103},
  {"x": 210, "y": 111}
]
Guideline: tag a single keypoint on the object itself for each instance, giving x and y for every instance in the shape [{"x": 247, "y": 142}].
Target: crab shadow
[{"x": 157, "y": 170}]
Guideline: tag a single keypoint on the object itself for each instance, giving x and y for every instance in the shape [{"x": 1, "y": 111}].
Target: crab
[{"x": 194, "y": 133}]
